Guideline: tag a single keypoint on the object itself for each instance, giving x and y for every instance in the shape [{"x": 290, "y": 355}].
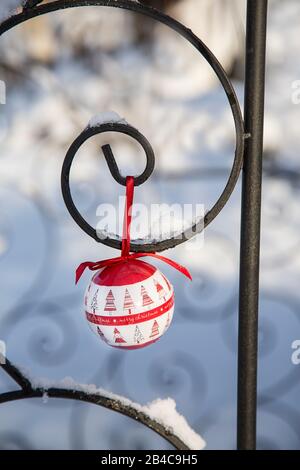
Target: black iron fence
[{"x": 248, "y": 155}]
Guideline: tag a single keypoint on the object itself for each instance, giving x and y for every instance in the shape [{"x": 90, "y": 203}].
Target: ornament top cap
[{"x": 123, "y": 273}]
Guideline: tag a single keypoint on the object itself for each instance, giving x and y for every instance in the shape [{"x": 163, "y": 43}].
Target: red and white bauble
[{"x": 130, "y": 304}]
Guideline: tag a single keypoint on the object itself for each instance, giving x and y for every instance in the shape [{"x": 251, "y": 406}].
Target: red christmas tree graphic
[
  {"x": 94, "y": 303},
  {"x": 155, "y": 330},
  {"x": 168, "y": 321},
  {"x": 110, "y": 303},
  {"x": 128, "y": 302},
  {"x": 160, "y": 290},
  {"x": 138, "y": 337},
  {"x": 101, "y": 334},
  {"x": 117, "y": 337},
  {"x": 146, "y": 299}
]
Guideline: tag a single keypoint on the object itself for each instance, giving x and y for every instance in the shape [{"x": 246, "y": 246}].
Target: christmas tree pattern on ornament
[
  {"x": 160, "y": 290},
  {"x": 155, "y": 330},
  {"x": 110, "y": 303},
  {"x": 117, "y": 337},
  {"x": 146, "y": 298},
  {"x": 101, "y": 335},
  {"x": 94, "y": 303},
  {"x": 168, "y": 322},
  {"x": 128, "y": 303},
  {"x": 138, "y": 337}
]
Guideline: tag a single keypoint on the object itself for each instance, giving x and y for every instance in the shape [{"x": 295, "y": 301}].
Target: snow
[
  {"x": 162, "y": 411},
  {"x": 105, "y": 118},
  {"x": 8, "y": 7}
]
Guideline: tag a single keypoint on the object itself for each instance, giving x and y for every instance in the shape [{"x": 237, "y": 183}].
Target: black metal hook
[
  {"x": 112, "y": 165},
  {"x": 111, "y": 161}
]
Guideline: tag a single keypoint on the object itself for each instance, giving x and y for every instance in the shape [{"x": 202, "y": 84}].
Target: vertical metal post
[{"x": 250, "y": 223}]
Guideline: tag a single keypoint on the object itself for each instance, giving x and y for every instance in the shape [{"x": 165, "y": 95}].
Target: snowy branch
[{"x": 160, "y": 416}]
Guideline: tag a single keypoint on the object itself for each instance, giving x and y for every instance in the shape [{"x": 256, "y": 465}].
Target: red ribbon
[{"x": 125, "y": 254}]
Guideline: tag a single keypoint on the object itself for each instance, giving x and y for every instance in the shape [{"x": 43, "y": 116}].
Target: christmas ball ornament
[{"x": 129, "y": 304}]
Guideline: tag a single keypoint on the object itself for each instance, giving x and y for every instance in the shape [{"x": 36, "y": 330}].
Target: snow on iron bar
[
  {"x": 106, "y": 118},
  {"x": 163, "y": 411}
]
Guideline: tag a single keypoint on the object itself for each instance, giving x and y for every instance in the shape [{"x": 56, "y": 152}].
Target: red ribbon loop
[
  {"x": 127, "y": 215},
  {"x": 125, "y": 254}
]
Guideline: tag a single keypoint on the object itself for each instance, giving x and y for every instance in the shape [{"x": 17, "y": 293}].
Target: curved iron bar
[
  {"x": 186, "y": 33},
  {"x": 111, "y": 162},
  {"x": 114, "y": 404}
]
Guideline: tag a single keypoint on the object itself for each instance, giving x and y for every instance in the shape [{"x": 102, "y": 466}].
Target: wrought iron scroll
[
  {"x": 251, "y": 203},
  {"x": 29, "y": 391},
  {"x": 186, "y": 33},
  {"x": 112, "y": 165}
]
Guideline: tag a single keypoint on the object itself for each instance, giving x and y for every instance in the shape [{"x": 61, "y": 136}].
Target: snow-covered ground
[{"x": 170, "y": 95}]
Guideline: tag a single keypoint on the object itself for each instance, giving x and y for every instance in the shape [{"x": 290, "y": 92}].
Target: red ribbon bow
[{"x": 125, "y": 254}]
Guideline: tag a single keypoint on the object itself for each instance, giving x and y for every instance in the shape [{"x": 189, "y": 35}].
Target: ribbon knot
[{"x": 125, "y": 254}]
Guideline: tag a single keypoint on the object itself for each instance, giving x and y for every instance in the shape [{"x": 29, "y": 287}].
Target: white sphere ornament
[{"x": 130, "y": 304}]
